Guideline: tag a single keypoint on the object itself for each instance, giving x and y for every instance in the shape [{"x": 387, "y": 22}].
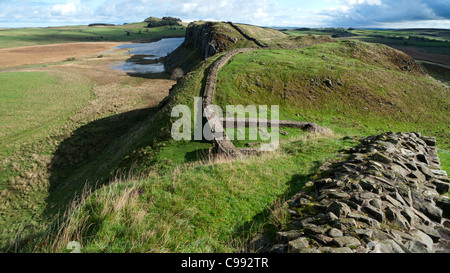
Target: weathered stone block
[
  {"x": 339, "y": 209},
  {"x": 346, "y": 241}
]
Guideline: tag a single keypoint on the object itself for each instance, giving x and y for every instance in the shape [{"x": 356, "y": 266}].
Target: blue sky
[{"x": 299, "y": 13}]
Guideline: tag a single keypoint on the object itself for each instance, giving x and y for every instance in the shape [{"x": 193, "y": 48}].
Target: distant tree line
[
  {"x": 100, "y": 24},
  {"x": 334, "y": 32},
  {"x": 341, "y": 32}
]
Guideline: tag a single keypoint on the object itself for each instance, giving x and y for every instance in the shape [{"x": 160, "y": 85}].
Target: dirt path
[{"x": 31, "y": 55}]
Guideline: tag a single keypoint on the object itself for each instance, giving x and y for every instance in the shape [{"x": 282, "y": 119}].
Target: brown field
[
  {"x": 418, "y": 55},
  {"x": 114, "y": 91},
  {"x": 32, "y": 55}
]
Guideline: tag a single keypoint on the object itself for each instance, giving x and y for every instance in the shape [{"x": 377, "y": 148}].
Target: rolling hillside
[{"x": 144, "y": 192}]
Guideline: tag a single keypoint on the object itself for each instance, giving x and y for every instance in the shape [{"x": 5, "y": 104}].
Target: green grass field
[
  {"x": 31, "y": 102},
  {"x": 431, "y": 35},
  {"x": 55, "y": 35},
  {"x": 200, "y": 207},
  {"x": 217, "y": 206},
  {"x": 43, "y": 107},
  {"x": 434, "y": 41},
  {"x": 32, "y": 105},
  {"x": 367, "y": 96},
  {"x": 35, "y": 106}
]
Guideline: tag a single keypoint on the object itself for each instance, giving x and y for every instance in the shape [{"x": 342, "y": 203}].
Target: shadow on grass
[
  {"x": 83, "y": 162},
  {"x": 86, "y": 161},
  {"x": 73, "y": 168},
  {"x": 261, "y": 223},
  {"x": 76, "y": 154},
  {"x": 200, "y": 154}
]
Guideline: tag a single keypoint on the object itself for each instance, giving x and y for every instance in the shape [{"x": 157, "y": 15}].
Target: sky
[{"x": 283, "y": 13}]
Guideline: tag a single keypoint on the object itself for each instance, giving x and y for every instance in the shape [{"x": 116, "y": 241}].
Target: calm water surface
[{"x": 147, "y": 51}]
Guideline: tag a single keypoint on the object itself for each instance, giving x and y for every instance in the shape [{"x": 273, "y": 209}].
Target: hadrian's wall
[{"x": 387, "y": 195}]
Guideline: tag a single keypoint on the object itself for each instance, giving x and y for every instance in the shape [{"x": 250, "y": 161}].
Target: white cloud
[
  {"x": 70, "y": 8},
  {"x": 234, "y": 10},
  {"x": 345, "y": 13},
  {"x": 365, "y": 13},
  {"x": 260, "y": 13},
  {"x": 368, "y": 2},
  {"x": 190, "y": 6}
]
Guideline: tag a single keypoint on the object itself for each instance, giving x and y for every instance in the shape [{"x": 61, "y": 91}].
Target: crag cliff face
[{"x": 202, "y": 40}]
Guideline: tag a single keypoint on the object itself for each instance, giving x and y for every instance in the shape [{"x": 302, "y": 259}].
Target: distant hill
[{"x": 165, "y": 21}]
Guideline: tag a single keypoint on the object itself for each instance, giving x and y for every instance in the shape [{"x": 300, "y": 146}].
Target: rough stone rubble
[{"x": 387, "y": 195}]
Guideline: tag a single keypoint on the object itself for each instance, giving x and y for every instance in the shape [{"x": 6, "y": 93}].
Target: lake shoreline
[{"x": 147, "y": 58}]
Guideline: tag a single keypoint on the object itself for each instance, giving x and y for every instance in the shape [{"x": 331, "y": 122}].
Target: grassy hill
[
  {"x": 429, "y": 46},
  {"x": 351, "y": 87},
  {"x": 144, "y": 192}
]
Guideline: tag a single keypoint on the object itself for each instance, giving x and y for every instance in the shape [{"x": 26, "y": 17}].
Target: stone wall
[
  {"x": 387, "y": 195},
  {"x": 222, "y": 143},
  {"x": 310, "y": 127},
  {"x": 246, "y": 36}
]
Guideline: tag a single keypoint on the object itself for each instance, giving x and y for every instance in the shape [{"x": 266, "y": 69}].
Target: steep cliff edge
[
  {"x": 202, "y": 40},
  {"x": 205, "y": 39}
]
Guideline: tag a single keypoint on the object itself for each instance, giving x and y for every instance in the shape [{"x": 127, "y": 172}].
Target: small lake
[{"x": 145, "y": 56}]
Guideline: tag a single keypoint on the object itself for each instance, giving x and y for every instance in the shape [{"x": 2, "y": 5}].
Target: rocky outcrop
[
  {"x": 202, "y": 40},
  {"x": 206, "y": 38},
  {"x": 386, "y": 195}
]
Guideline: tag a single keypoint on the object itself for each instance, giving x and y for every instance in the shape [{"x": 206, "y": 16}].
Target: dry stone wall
[
  {"x": 246, "y": 36},
  {"x": 388, "y": 195},
  {"x": 310, "y": 127},
  {"x": 217, "y": 124},
  {"x": 222, "y": 142}
]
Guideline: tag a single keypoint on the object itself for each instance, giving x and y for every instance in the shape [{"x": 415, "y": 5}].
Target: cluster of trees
[
  {"x": 165, "y": 21},
  {"x": 423, "y": 39},
  {"x": 100, "y": 24},
  {"x": 333, "y": 32}
]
